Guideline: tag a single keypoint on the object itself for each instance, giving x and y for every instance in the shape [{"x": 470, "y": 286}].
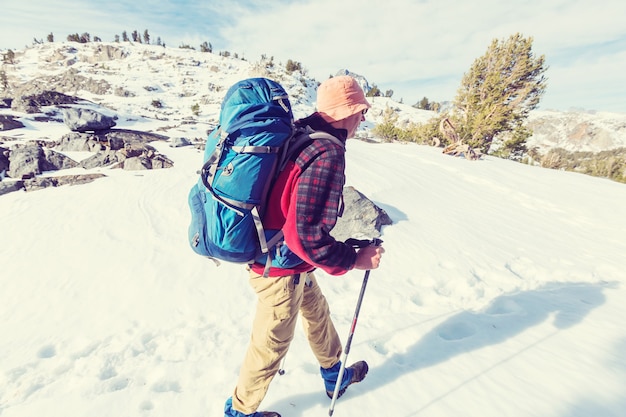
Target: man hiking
[{"x": 304, "y": 203}]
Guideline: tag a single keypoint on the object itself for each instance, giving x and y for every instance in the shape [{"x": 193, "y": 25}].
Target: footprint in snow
[
  {"x": 47, "y": 352},
  {"x": 456, "y": 331}
]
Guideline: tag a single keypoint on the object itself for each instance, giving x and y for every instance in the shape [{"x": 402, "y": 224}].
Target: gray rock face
[
  {"x": 32, "y": 103},
  {"x": 83, "y": 120},
  {"x": 27, "y": 161},
  {"x": 4, "y": 162},
  {"x": 361, "y": 219},
  {"x": 9, "y": 122}
]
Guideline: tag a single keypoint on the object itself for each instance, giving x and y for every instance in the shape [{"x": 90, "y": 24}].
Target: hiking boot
[
  {"x": 229, "y": 411},
  {"x": 351, "y": 375}
]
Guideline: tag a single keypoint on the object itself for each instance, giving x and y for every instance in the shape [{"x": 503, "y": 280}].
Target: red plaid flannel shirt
[{"x": 305, "y": 202}]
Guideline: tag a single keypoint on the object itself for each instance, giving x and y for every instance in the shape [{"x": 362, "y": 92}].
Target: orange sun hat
[{"x": 340, "y": 97}]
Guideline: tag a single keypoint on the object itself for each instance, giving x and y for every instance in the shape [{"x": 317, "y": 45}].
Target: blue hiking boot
[
  {"x": 229, "y": 411},
  {"x": 351, "y": 375}
]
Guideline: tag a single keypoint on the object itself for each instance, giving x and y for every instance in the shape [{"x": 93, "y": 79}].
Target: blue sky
[{"x": 417, "y": 48}]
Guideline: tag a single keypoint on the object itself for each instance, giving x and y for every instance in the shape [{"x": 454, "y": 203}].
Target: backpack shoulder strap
[{"x": 302, "y": 137}]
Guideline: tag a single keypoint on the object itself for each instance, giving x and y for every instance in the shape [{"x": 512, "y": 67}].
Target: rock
[
  {"x": 79, "y": 142},
  {"x": 26, "y": 161},
  {"x": 83, "y": 120},
  {"x": 29, "y": 160},
  {"x": 9, "y": 122},
  {"x": 7, "y": 187},
  {"x": 179, "y": 142},
  {"x": 56, "y": 161},
  {"x": 32, "y": 103},
  {"x": 4, "y": 162},
  {"x": 125, "y": 137},
  {"x": 361, "y": 218},
  {"x": 100, "y": 159},
  {"x": 41, "y": 183},
  {"x": 137, "y": 163}
]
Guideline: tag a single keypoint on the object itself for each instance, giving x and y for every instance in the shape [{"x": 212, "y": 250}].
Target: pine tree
[
  {"x": 499, "y": 91},
  {"x": 9, "y": 57},
  {"x": 4, "y": 80}
]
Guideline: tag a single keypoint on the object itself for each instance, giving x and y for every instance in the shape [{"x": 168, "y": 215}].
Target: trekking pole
[{"x": 375, "y": 242}]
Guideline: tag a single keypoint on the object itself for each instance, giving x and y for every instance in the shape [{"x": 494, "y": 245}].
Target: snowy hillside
[
  {"x": 132, "y": 79},
  {"x": 501, "y": 292}
]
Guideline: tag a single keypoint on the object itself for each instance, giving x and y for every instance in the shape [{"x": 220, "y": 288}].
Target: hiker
[{"x": 305, "y": 203}]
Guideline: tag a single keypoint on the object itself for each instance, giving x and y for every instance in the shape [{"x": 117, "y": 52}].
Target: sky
[
  {"x": 414, "y": 48},
  {"x": 501, "y": 293}
]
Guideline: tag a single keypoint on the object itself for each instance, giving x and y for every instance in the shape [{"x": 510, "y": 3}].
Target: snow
[{"x": 501, "y": 293}]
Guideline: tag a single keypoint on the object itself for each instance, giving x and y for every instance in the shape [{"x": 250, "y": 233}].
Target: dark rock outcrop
[{"x": 8, "y": 122}]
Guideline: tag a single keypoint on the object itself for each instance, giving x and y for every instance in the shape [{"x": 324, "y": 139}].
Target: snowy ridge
[{"x": 181, "y": 78}]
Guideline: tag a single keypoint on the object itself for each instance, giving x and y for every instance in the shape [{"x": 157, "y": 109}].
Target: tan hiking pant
[{"x": 279, "y": 301}]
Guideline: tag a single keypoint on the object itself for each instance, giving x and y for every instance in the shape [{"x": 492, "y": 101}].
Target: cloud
[
  {"x": 415, "y": 47},
  {"x": 423, "y": 48}
]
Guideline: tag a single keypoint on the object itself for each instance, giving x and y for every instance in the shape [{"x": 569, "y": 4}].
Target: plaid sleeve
[{"x": 317, "y": 198}]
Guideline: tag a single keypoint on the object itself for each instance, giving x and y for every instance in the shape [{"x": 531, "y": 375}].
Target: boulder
[
  {"x": 79, "y": 142},
  {"x": 179, "y": 142},
  {"x": 26, "y": 161},
  {"x": 83, "y": 120},
  {"x": 56, "y": 161},
  {"x": 361, "y": 218},
  {"x": 31, "y": 159},
  {"x": 8, "y": 122}
]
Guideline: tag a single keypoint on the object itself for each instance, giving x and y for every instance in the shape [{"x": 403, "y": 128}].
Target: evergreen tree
[
  {"x": 4, "y": 80},
  {"x": 206, "y": 47},
  {"x": 499, "y": 91},
  {"x": 423, "y": 104},
  {"x": 374, "y": 91},
  {"x": 9, "y": 57},
  {"x": 292, "y": 66}
]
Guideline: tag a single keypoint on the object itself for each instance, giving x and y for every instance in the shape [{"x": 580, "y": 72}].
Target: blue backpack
[{"x": 243, "y": 156}]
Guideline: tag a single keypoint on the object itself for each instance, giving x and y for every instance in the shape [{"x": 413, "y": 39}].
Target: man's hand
[{"x": 368, "y": 257}]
